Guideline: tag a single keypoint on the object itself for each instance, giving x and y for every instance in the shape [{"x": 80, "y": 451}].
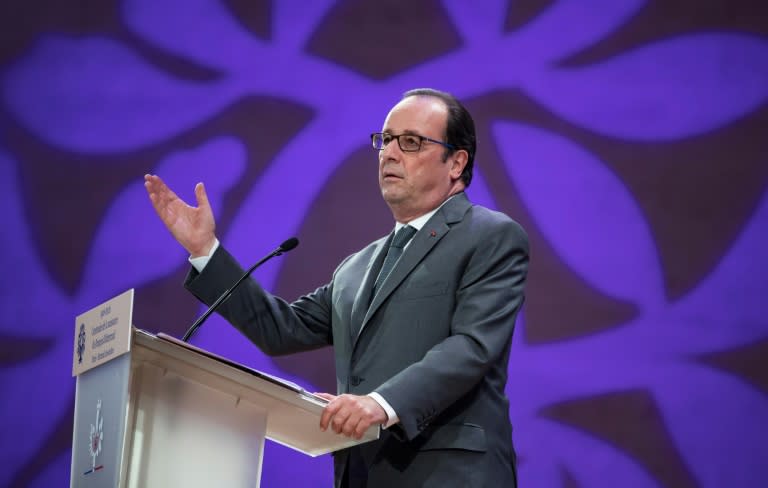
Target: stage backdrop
[{"x": 627, "y": 136}]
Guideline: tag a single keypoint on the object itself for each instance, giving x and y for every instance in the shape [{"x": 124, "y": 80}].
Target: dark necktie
[{"x": 393, "y": 254}]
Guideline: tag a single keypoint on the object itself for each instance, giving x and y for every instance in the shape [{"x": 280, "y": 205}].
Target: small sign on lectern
[{"x": 103, "y": 333}]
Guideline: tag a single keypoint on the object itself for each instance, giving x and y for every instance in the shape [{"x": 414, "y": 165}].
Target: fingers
[
  {"x": 354, "y": 425},
  {"x": 328, "y": 412},
  {"x": 159, "y": 193},
  {"x": 154, "y": 184},
  {"x": 151, "y": 183},
  {"x": 351, "y": 415},
  {"x": 358, "y": 431},
  {"x": 339, "y": 421}
]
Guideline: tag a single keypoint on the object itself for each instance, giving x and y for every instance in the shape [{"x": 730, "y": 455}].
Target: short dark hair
[{"x": 459, "y": 128}]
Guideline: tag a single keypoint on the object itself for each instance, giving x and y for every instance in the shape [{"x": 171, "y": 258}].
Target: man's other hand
[{"x": 351, "y": 415}]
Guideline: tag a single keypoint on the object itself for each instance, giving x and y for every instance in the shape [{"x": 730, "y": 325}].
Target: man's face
[{"x": 413, "y": 183}]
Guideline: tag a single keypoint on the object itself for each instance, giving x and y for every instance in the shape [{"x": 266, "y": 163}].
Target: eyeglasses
[{"x": 407, "y": 142}]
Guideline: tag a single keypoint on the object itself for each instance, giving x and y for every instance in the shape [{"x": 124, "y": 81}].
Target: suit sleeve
[
  {"x": 274, "y": 325},
  {"x": 489, "y": 297}
]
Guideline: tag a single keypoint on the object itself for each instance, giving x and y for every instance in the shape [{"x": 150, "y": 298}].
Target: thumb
[
  {"x": 201, "y": 196},
  {"x": 326, "y": 396}
]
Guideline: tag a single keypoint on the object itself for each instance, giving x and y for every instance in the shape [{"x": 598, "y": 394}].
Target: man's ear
[{"x": 458, "y": 161}]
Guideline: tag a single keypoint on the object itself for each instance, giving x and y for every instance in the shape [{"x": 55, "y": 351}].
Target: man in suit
[{"x": 421, "y": 320}]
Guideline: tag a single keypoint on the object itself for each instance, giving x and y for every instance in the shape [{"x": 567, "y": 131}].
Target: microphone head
[{"x": 289, "y": 244}]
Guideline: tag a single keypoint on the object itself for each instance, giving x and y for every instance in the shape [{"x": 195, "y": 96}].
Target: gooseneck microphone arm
[{"x": 282, "y": 248}]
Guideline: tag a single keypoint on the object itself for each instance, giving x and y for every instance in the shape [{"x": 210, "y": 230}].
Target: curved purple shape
[
  {"x": 566, "y": 27},
  {"x": 479, "y": 193},
  {"x": 477, "y": 25},
  {"x": 201, "y": 30},
  {"x": 666, "y": 90},
  {"x": 727, "y": 308},
  {"x": 294, "y": 21},
  {"x": 708, "y": 409},
  {"x": 96, "y": 95},
  {"x": 592, "y": 462},
  {"x": 584, "y": 210}
]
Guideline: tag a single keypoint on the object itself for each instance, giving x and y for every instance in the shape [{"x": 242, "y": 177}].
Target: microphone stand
[{"x": 284, "y": 247}]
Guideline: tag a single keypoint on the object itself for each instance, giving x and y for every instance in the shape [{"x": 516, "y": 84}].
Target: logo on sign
[
  {"x": 95, "y": 439},
  {"x": 81, "y": 344}
]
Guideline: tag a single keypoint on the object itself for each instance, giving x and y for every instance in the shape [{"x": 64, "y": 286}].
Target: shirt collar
[{"x": 419, "y": 222}]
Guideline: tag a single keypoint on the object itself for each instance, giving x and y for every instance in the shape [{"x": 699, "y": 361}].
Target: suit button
[{"x": 355, "y": 380}]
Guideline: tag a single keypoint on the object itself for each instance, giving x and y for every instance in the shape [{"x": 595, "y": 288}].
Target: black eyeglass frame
[{"x": 399, "y": 143}]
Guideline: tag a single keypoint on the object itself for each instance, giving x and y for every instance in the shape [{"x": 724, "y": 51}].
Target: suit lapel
[
  {"x": 422, "y": 243},
  {"x": 363, "y": 296},
  {"x": 424, "y": 240}
]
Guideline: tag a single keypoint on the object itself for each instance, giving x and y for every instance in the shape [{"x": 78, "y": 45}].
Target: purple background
[{"x": 628, "y": 137}]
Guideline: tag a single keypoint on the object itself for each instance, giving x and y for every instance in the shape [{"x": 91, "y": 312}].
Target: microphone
[{"x": 282, "y": 248}]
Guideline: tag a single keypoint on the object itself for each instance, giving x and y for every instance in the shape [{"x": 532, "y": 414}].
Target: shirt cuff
[
  {"x": 392, "y": 417},
  {"x": 200, "y": 262}
]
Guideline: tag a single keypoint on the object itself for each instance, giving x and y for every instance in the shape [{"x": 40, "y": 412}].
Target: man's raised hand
[{"x": 193, "y": 227}]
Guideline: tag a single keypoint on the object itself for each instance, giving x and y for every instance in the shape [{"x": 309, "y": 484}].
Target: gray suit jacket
[{"x": 434, "y": 342}]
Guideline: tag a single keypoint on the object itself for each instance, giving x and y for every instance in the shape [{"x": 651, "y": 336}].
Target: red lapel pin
[{"x": 432, "y": 233}]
